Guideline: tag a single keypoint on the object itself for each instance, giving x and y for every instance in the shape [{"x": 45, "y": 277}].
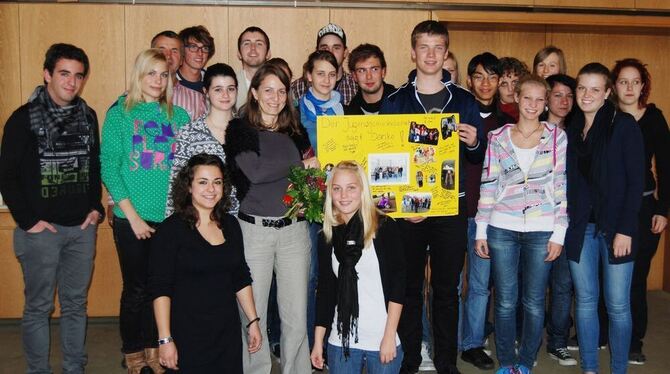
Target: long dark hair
[
  {"x": 287, "y": 120},
  {"x": 181, "y": 195}
]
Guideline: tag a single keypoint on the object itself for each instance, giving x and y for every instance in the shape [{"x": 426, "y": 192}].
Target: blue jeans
[
  {"x": 358, "y": 359},
  {"x": 616, "y": 287},
  {"x": 62, "y": 260},
  {"x": 508, "y": 250},
  {"x": 558, "y": 326},
  {"x": 476, "y": 302},
  {"x": 314, "y": 229}
]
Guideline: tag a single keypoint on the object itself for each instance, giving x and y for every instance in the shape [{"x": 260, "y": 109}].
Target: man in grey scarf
[{"x": 50, "y": 179}]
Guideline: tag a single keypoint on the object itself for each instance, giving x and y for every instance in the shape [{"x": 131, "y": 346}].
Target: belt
[{"x": 268, "y": 222}]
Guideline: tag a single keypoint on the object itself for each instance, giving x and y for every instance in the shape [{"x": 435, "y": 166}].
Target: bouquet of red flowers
[{"x": 306, "y": 193}]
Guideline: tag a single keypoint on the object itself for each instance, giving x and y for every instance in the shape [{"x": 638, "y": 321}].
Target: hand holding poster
[{"x": 411, "y": 159}]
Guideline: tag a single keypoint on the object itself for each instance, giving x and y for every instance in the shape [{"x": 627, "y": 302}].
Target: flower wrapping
[{"x": 305, "y": 194}]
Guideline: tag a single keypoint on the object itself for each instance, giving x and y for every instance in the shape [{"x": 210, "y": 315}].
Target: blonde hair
[
  {"x": 144, "y": 62},
  {"x": 532, "y": 79},
  {"x": 368, "y": 211}
]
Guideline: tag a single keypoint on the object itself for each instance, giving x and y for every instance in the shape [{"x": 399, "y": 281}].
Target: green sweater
[{"x": 136, "y": 156}]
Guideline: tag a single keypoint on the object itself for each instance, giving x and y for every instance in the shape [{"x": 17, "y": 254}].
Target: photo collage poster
[{"x": 411, "y": 160}]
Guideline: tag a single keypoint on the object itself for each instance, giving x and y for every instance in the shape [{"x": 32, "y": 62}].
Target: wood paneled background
[{"x": 113, "y": 34}]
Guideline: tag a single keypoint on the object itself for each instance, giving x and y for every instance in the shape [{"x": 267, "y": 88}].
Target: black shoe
[
  {"x": 573, "y": 344},
  {"x": 477, "y": 357},
  {"x": 637, "y": 358},
  {"x": 451, "y": 369}
]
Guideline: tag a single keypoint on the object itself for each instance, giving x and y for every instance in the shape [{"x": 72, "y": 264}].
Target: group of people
[{"x": 556, "y": 184}]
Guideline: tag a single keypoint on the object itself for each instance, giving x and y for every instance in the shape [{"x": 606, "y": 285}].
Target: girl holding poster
[
  {"x": 362, "y": 279},
  {"x": 522, "y": 220}
]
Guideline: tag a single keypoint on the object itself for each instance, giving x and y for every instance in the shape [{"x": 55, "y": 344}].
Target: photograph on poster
[
  {"x": 422, "y": 134},
  {"x": 448, "y": 126},
  {"x": 385, "y": 202},
  {"x": 448, "y": 173},
  {"x": 388, "y": 168},
  {"x": 416, "y": 202}
]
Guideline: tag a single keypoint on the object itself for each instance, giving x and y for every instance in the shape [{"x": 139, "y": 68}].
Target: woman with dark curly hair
[{"x": 197, "y": 272}]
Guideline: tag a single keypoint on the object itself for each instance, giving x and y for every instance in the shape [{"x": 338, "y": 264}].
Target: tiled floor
[{"x": 104, "y": 343}]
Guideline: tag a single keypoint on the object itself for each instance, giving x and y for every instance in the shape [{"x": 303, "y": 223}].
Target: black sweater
[
  {"x": 624, "y": 162},
  {"x": 390, "y": 254},
  {"x": 64, "y": 197},
  {"x": 656, "y": 143}
]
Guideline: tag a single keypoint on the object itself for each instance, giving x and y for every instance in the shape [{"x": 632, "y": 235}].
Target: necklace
[{"x": 531, "y": 133}]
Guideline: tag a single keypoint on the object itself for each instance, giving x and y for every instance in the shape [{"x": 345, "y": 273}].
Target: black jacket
[
  {"x": 625, "y": 180},
  {"x": 22, "y": 184},
  {"x": 391, "y": 257},
  {"x": 357, "y": 103}
]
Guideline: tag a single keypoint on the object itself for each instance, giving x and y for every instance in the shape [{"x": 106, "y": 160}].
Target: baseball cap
[{"x": 334, "y": 29}]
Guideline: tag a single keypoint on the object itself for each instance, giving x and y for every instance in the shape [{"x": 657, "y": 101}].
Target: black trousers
[
  {"x": 136, "y": 317},
  {"x": 648, "y": 243},
  {"x": 447, "y": 238}
]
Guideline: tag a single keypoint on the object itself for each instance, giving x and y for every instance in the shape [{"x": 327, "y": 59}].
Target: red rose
[{"x": 288, "y": 199}]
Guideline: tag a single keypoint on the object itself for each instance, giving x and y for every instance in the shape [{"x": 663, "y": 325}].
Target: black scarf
[
  {"x": 48, "y": 121},
  {"x": 592, "y": 153},
  {"x": 348, "y": 242}
]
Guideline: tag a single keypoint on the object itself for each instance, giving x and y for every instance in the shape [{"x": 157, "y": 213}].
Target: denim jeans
[
  {"x": 558, "y": 326},
  {"x": 136, "y": 318},
  {"x": 359, "y": 359},
  {"x": 62, "y": 260},
  {"x": 477, "y": 299},
  {"x": 314, "y": 229},
  {"x": 508, "y": 250},
  {"x": 616, "y": 287}
]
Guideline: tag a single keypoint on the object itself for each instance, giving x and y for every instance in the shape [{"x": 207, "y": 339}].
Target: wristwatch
[{"x": 165, "y": 340}]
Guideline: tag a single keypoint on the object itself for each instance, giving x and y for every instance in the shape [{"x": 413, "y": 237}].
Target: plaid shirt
[{"x": 346, "y": 87}]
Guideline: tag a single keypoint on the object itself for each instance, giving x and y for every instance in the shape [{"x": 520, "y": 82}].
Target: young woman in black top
[
  {"x": 361, "y": 287},
  {"x": 605, "y": 183},
  {"x": 197, "y": 276},
  {"x": 632, "y": 88}
]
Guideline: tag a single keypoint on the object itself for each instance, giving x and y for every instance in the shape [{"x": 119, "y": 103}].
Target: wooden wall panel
[
  {"x": 652, "y": 4},
  {"x": 372, "y": 26},
  {"x": 98, "y": 29},
  {"x": 609, "y": 45},
  {"x": 11, "y": 278},
  {"x": 10, "y": 69},
  {"x": 292, "y": 43},
  {"x": 468, "y": 40},
  {"x": 142, "y": 22},
  {"x": 626, "y": 4},
  {"x": 486, "y": 2}
]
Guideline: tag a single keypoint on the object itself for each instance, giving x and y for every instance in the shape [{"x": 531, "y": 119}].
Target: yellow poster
[{"x": 411, "y": 159}]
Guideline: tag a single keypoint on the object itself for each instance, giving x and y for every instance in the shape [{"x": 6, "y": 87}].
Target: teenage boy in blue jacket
[{"x": 429, "y": 90}]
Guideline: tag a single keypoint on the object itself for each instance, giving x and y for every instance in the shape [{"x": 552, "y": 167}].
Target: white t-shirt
[
  {"x": 371, "y": 305},
  {"x": 525, "y": 156}
]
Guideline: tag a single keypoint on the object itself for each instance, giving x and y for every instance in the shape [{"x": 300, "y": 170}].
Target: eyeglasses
[{"x": 194, "y": 48}]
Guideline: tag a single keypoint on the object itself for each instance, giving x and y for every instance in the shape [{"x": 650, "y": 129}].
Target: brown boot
[
  {"x": 151, "y": 355},
  {"x": 136, "y": 362}
]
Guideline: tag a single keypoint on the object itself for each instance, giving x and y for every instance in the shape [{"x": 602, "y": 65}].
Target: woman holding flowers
[{"x": 261, "y": 148}]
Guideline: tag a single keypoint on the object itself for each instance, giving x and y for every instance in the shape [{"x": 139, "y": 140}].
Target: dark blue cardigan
[{"x": 625, "y": 183}]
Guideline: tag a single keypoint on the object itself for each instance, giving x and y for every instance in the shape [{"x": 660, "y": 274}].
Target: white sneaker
[{"x": 426, "y": 362}]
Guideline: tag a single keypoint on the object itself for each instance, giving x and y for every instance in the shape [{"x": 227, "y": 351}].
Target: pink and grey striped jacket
[{"x": 515, "y": 201}]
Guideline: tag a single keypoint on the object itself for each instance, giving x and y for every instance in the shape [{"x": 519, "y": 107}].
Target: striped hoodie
[{"x": 515, "y": 201}]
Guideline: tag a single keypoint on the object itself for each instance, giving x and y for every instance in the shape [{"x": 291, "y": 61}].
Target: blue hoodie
[{"x": 405, "y": 100}]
